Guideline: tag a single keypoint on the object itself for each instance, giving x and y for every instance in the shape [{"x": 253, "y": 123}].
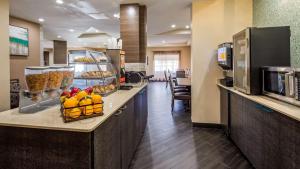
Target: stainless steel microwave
[{"x": 281, "y": 83}]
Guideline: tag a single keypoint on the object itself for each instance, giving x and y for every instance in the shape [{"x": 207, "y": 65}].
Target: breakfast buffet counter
[
  {"x": 51, "y": 118},
  {"x": 276, "y": 105},
  {"x": 43, "y": 140}
]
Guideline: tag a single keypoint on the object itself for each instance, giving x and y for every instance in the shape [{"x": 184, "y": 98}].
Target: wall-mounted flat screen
[
  {"x": 222, "y": 52},
  {"x": 225, "y": 56}
]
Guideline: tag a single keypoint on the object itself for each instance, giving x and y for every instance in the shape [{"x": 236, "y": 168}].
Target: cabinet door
[
  {"x": 289, "y": 143},
  {"x": 237, "y": 125},
  {"x": 127, "y": 122},
  {"x": 138, "y": 117},
  {"x": 254, "y": 134},
  {"x": 144, "y": 109},
  {"x": 271, "y": 139},
  {"x": 224, "y": 96},
  {"x": 107, "y": 145},
  {"x": 141, "y": 108},
  {"x": 131, "y": 129}
]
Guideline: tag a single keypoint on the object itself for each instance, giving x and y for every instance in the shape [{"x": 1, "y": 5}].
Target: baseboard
[{"x": 208, "y": 125}]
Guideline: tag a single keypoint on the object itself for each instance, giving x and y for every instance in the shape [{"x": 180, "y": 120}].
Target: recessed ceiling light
[
  {"x": 96, "y": 31},
  {"x": 187, "y": 27},
  {"x": 163, "y": 41},
  {"x": 71, "y": 30},
  {"x": 41, "y": 20},
  {"x": 59, "y": 36},
  {"x": 117, "y": 15},
  {"x": 173, "y": 26},
  {"x": 59, "y": 1}
]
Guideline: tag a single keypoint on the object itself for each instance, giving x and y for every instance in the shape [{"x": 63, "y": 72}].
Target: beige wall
[
  {"x": 185, "y": 57},
  {"x": 214, "y": 22},
  {"x": 18, "y": 63},
  {"x": 4, "y": 53}
]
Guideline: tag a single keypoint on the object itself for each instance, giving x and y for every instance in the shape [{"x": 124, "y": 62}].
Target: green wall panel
[{"x": 280, "y": 13}]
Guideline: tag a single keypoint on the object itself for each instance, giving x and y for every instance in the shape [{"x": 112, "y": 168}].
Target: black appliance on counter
[
  {"x": 136, "y": 77},
  {"x": 254, "y": 48},
  {"x": 227, "y": 81},
  {"x": 225, "y": 62},
  {"x": 281, "y": 83}
]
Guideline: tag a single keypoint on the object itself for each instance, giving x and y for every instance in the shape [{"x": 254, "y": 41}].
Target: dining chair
[
  {"x": 178, "y": 95},
  {"x": 176, "y": 87},
  {"x": 180, "y": 74},
  {"x": 166, "y": 78}
]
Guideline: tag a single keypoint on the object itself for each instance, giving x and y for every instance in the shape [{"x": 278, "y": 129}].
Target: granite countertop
[
  {"x": 277, "y": 105},
  {"x": 51, "y": 118}
]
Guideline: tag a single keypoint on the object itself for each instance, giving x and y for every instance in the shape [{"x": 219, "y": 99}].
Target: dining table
[{"x": 184, "y": 81}]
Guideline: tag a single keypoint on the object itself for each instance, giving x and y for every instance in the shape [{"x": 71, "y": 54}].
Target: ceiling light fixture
[
  {"x": 59, "y": 36},
  {"x": 41, "y": 20},
  {"x": 117, "y": 15},
  {"x": 173, "y": 26},
  {"x": 131, "y": 11},
  {"x": 59, "y": 2},
  {"x": 71, "y": 30},
  {"x": 163, "y": 41},
  {"x": 187, "y": 27},
  {"x": 96, "y": 31}
]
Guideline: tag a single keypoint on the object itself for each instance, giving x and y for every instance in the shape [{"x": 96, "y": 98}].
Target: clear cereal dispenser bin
[{"x": 36, "y": 81}]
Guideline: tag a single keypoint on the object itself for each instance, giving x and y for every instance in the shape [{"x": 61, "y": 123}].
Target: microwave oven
[{"x": 281, "y": 83}]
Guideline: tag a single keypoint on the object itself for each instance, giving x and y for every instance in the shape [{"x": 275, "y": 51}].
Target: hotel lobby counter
[
  {"x": 51, "y": 118},
  {"x": 276, "y": 105}
]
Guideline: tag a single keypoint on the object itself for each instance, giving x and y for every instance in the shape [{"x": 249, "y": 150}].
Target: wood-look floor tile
[{"x": 170, "y": 142}]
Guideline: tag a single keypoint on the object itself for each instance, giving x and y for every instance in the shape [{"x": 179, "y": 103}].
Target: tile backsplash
[{"x": 280, "y": 13}]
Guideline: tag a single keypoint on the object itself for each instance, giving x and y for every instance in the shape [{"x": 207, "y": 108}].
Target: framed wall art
[{"x": 19, "y": 41}]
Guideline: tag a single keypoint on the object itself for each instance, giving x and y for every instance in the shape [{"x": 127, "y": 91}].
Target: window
[{"x": 164, "y": 61}]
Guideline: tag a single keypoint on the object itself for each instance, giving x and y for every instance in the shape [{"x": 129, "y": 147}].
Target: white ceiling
[{"x": 59, "y": 19}]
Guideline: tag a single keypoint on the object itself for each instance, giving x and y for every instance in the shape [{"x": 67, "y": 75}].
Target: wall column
[
  {"x": 4, "y": 53},
  {"x": 213, "y": 22},
  {"x": 133, "y": 23},
  {"x": 60, "y": 52}
]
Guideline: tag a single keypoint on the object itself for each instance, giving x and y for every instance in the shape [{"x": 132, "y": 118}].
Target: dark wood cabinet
[
  {"x": 127, "y": 122},
  {"x": 237, "y": 126},
  {"x": 107, "y": 145},
  {"x": 141, "y": 111},
  {"x": 270, "y": 140},
  {"x": 224, "y": 102}
]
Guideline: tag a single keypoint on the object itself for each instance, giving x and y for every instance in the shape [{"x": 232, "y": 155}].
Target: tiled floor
[{"x": 170, "y": 142}]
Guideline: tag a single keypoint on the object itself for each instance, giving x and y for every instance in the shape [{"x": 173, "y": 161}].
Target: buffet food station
[
  {"x": 93, "y": 69},
  {"x": 54, "y": 125}
]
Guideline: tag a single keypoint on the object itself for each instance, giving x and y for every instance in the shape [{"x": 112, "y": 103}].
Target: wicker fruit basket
[{"x": 81, "y": 112}]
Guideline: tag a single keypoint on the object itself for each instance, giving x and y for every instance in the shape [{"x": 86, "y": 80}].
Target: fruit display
[
  {"x": 96, "y": 74},
  {"x": 80, "y": 104}
]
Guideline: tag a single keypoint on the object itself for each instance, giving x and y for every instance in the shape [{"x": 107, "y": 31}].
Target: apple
[
  {"x": 89, "y": 90},
  {"x": 74, "y": 90},
  {"x": 66, "y": 94}
]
